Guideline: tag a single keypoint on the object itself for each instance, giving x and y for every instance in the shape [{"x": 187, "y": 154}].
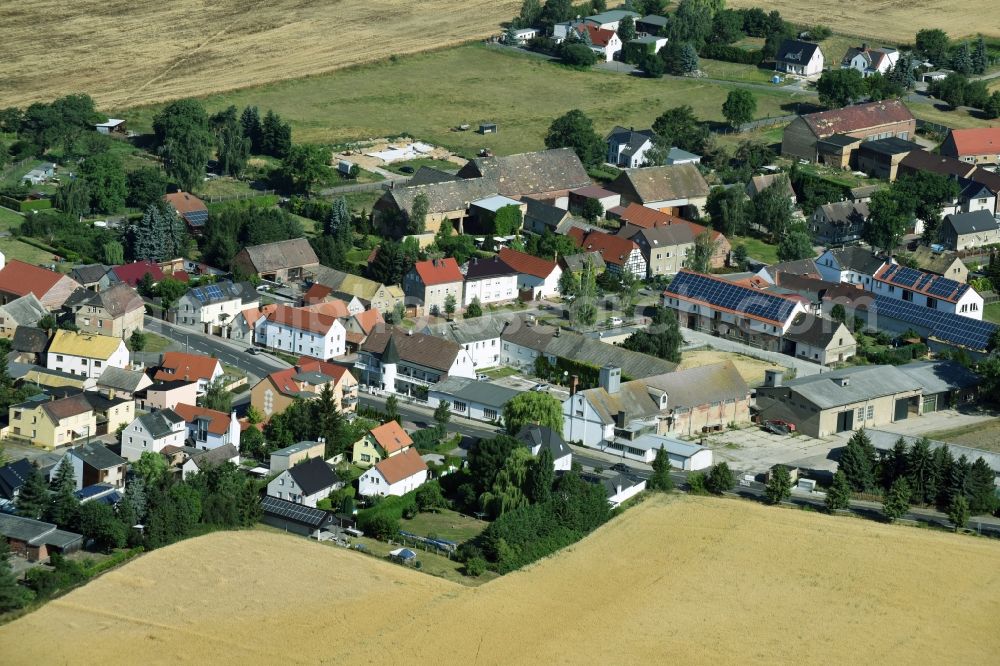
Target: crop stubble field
[
  {"x": 678, "y": 579},
  {"x": 125, "y": 53},
  {"x": 892, "y": 19}
]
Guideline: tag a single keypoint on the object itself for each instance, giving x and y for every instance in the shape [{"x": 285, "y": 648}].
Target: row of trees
[
  {"x": 935, "y": 45},
  {"x": 956, "y": 90}
]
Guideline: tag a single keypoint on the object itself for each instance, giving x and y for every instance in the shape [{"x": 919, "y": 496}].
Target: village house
[
  {"x": 536, "y": 278},
  {"x": 212, "y": 308},
  {"x": 303, "y": 332},
  {"x": 840, "y": 400},
  {"x": 359, "y": 326},
  {"x": 306, "y": 483},
  {"x": 929, "y": 290},
  {"x": 480, "y": 337},
  {"x": 979, "y": 145},
  {"x": 839, "y": 223},
  {"x": 134, "y": 273},
  {"x": 430, "y": 283},
  {"x": 244, "y": 326},
  {"x": 190, "y": 368},
  {"x": 967, "y": 231},
  {"x": 291, "y": 456},
  {"x": 799, "y": 58},
  {"x": 730, "y": 310},
  {"x": 319, "y": 294},
  {"x": 541, "y": 217},
  {"x": 490, "y": 281},
  {"x": 400, "y": 361},
  {"x": 200, "y": 460},
  {"x": 820, "y": 340},
  {"x": 539, "y": 438},
  {"x": 678, "y": 189},
  {"x": 940, "y": 262},
  {"x": 667, "y": 241},
  {"x": 853, "y": 265},
  {"x": 85, "y": 354},
  {"x": 189, "y": 208},
  {"x": 681, "y": 455},
  {"x": 47, "y": 422},
  {"x": 476, "y": 400},
  {"x": 209, "y": 429},
  {"x": 577, "y": 263},
  {"x": 283, "y": 261},
  {"x": 28, "y": 345},
  {"x": 620, "y": 254},
  {"x": 830, "y": 137},
  {"x": 760, "y": 183},
  {"x": 35, "y": 540},
  {"x": 110, "y": 413},
  {"x": 25, "y": 311},
  {"x": 19, "y": 279},
  {"x": 13, "y": 476},
  {"x": 93, "y": 463},
  {"x": 92, "y": 276},
  {"x": 973, "y": 196},
  {"x": 348, "y": 287},
  {"x": 685, "y": 402},
  {"x": 627, "y": 147},
  {"x": 869, "y": 61},
  {"x": 151, "y": 432},
  {"x": 397, "y": 475},
  {"x": 305, "y": 381},
  {"x": 167, "y": 394},
  {"x": 381, "y": 442},
  {"x": 117, "y": 311}
]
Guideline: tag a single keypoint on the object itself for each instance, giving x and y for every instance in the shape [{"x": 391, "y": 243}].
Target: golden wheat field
[
  {"x": 674, "y": 580},
  {"x": 892, "y": 19},
  {"x": 130, "y": 52}
]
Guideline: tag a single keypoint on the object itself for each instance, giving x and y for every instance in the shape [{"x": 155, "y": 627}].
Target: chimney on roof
[
  {"x": 558, "y": 328},
  {"x": 773, "y": 378},
  {"x": 620, "y": 418},
  {"x": 610, "y": 378},
  {"x": 574, "y": 384},
  {"x": 409, "y": 332}
]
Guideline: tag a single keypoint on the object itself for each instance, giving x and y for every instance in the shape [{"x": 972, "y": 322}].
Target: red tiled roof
[
  {"x": 333, "y": 308},
  {"x": 132, "y": 273},
  {"x": 178, "y": 365},
  {"x": 391, "y": 437},
  {"x": 21, "y": 279},
  {"x": 369, "y": 319},
  {"x": 316, "y": 294},
  {"x": 977, "y": 141},
  {"x": 253, "y": 314},
  {"x": 613, "y": 249},
  {"x": 181, "y": 276},
  {"x": 285, "y": 382},
  {"x": 525, "y": 263},
  {"x": 183, "y": 202},
  {"x": 858, "y": 117},
  {"x": 438, "y": 271},
  {"x": 401, "y": 466},
  {"x": 598, "y": 36},
  {"x": 647, "y": 218},
  {"x": 218, "y": 422},
  {"x": 302, "y": 319},
  {"x": 310, "y": 364}
]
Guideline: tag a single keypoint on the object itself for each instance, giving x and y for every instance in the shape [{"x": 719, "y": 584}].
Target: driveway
[
  {"x": 755, "y": 450},
  {"x": 696, "y": 339}
]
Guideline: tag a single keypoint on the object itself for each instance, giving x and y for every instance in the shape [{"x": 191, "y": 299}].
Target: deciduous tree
[
  {"x": 795, "y": 244},
  {"x": 232, "y": 146},
  {"x": 105, "y": 177},
  {"x": 532, "y": 407},
  {"x": 740, "y": 107},
  {"x": 575, "y": 130},
  {"x": 840, "y": 87},
  {"x": 184, "y": 140},
  {"x": 889, "y": 213},
  {"x": 145, "y": 185},
  {"x": 303, "y": 165}
]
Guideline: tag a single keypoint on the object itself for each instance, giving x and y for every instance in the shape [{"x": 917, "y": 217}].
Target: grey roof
[
  {"x": 864, "y": 383},
  {"x": 470, "y": 390},
  {"x": 443, "y": 196},
  {"x": 815, "y": 331},
  {"x": 577, "y": 262},
  {"x": 930, "y": 261},
  {"x": 858, "y": 259},
  {"x": 544, "y": 438},
  {"x": 594, "y": 352},
  {"x": 216, "y": 456},
  {"x": 970, "y": 223},
  {"x": 298, "y": 447},
  {"x": 668, "y": 444},
  {"x": 89, "y": 274},
  {"x": 889, "y": 146},
  {"x": 864, "y": 192},
  {"x": 762, "y": 182},
  {"x": 845, "y": 213},
  {"x": 613, "y": 15},
  {"x": 693, "y": 387},
  {"x": 653, "y": 19},
  {"x": 661, "y": 183},
  {"x": 290, "y": 253},
  {"x": 544, "y": 214},
  {"x": 222, "y": 291},
  {"x": 632, "y": 139},
  {"x": 160, "y": 423},
  {"x": 26, "y": 310},
  {"x": 97, "y": 455},
  {"x": 940, "y": 376},
  {"x": 530, "y": 173},
  {"x": 797, "y": 51},
  {"x": 23, "y": 529},
  {"x": 121, "y": 379},
  {"x": 666, "y": 235},
  {"x": 840, "y": 140},
  {"x": 61, "y": 538},
  {"x": 13, "y": 476},
  {"x": 117, "y": 300},
  {"x": 426, "y": 175},
  {"x": 313, "y": 475},
  {"x": 469, "y": 330},
  {"x": 299, "y": 513},
  {"x": 425, "y": 350},
  {"x": 675, "y": 154}
]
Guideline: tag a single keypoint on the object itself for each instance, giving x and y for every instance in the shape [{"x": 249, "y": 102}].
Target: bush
[
  {"x": 732, "y": 54},
  {"x": 577, "y": 55},
  {"x": 474, "y": 567},
  {"x": 696, "y": 484}
]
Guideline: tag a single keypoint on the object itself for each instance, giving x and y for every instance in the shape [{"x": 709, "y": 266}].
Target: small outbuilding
[
  {"x": 111, "y": 126},
  {"x": 292, "y": 517},
  {"x": 487, "y": 128}
]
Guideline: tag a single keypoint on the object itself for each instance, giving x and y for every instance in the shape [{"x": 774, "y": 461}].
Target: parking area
[{"x": 754, "y": 450}]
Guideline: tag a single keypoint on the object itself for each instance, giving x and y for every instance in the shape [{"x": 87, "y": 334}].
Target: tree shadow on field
[{"x": 802, "y": 108}]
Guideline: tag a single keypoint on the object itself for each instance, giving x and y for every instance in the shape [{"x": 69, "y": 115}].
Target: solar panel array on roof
[
  {"x": 944, "y": 326},
  {"x": 929, "y": 283},
  {"x": 196, "y": 218},
  {"x": 209, "y": 293},
  {"x": 730, "y": 296},
  {"x": 291, "y": 511}
]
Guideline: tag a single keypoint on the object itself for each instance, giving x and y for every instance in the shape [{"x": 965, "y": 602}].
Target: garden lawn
[
  {"x": 9, "y": 219},
  {"x": 446, "y": 524},
  {"x": 734, "y": 71},
  {"x": 757, "y": 248},
  {"x": 155, "y": 343},
  {"x": 992, "y": 313},
  {"x": 15, "y": 249},
  {"x": 410, "y": 94}
]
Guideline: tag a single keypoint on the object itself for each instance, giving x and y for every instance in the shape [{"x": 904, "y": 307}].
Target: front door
[{"x": 902, "y": 409}]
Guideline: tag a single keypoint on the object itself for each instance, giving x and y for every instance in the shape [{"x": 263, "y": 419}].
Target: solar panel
[
  {"x": 947, "y": 327},
  {"x": 197, "y": 218},
  {"x": 908, "y": 277},
  {"x": 731, "y": 296},
  {"x": 945, "y": 288},
  {"x": 292, "y": 511}
]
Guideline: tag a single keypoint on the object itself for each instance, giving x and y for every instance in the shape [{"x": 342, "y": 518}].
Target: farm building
[
  {"x": 980, "y": 145},
  {"x": 35, "y": 540},
  {"x": 678, "y": 190},
  {"x": 830, "y": 137},
  {"x": 292, "y": 517},
  {"x": 682, "y": 455},
  {"x": 284, "y": 261},
  {"x": 112, "y": 126}
]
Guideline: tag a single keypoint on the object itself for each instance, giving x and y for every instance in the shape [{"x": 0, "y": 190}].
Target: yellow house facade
[{"x": 53, "y": 423}]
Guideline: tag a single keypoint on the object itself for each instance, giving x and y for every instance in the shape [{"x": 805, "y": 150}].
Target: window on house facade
[
  {"x": 459, "y": 406},
  {"x": 490, "y": 414},
  {"x": 870, "y": 412},
  {"x": 860, "y": 414}
]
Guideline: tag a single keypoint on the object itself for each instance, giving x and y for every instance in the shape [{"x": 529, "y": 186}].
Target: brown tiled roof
[
  {"x": 20, "y": 278},
  {"x": 391, "y": 437},
  {"x": 316, "y": 294},
  {"x": 183, "y": 202},
  {"x": 179, "y": 365},
  {"x": 530, "y": 173},
  {"x": 526, "y": 263},
  {"x": 218, "y": 422},
  {"x": 593, "y": 192},
  {"x": 302, "y": 318},
  {"x": 922, "y": 160},
  {"x": 614, "y": 249},
  {"x": 291, "y": 253},
  {"x": 132, "y": 273},
  {"x": 426, "y": 350},
  {"x": 65, "y": 408},
  {"x": 401, "y": 466},
  {"x": 368, "y": 319},
  {"x": 443, "y": 196},
  {"x": 857, "y": 117},
  {"x": 333, "y": 308},
  {"x": 647, "y": 218},
  {"x": 438, "y": 271},
  {"x": 479, "y": 269},
  {"x": 598, "y": 36}
]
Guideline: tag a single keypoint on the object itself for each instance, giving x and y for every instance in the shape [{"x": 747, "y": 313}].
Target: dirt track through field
[
  {"x": 126, "y": 53},
  {"x": 688, "y": 580}
]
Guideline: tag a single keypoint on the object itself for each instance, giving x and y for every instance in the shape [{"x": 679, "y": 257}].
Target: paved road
[
  {"x": 230, "y": 353},
  {"x": 698, "y": 339}
]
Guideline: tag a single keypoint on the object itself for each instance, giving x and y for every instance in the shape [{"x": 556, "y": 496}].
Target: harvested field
[
  {"x": 896, "y": 20},
  {"x": 125, "y": 53},
  {"x": 701, "y": 580},
  {"x": 751, "y": 369}
]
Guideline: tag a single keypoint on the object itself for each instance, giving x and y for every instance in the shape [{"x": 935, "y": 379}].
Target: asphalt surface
[{"x": 231, "y": 353}]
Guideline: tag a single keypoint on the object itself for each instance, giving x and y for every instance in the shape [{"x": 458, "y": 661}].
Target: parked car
[
  {"x": 483, "y": 378},
  {"x": 406, "y": 169},
  {"x": 253, "y": 351},
  {"x": 615, "y": 322},
  {"x": 779, "y": 427},
  {"x": 621, "y": 467}
]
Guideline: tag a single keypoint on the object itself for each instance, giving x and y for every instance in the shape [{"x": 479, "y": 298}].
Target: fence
[
  {"x": 15, "y": 165},
  {"x": 928, "y": 126},
  {"x": 756, "y": 124},
  {"x": 360, "y": 187},
  {"x": 235, "y": 197}
]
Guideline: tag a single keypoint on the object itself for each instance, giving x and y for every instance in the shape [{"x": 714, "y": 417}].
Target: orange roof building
[
  {"x": 19, "y": 279},
  {"x": 209, "y": 429},
  {"x": 305, "y": 381},
  {"x": 979, "y": 145},
  {"x": 385, "y": 441},
  {"x": 189, "y": 367},
  {"x": 397, "y": 475}
]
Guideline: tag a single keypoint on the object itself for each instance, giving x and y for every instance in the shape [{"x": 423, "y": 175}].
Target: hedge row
[
  {"x": 899, "y": 355},
  {"x": 732, "y": 54},
  {"x": 25, "y": 206}
]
